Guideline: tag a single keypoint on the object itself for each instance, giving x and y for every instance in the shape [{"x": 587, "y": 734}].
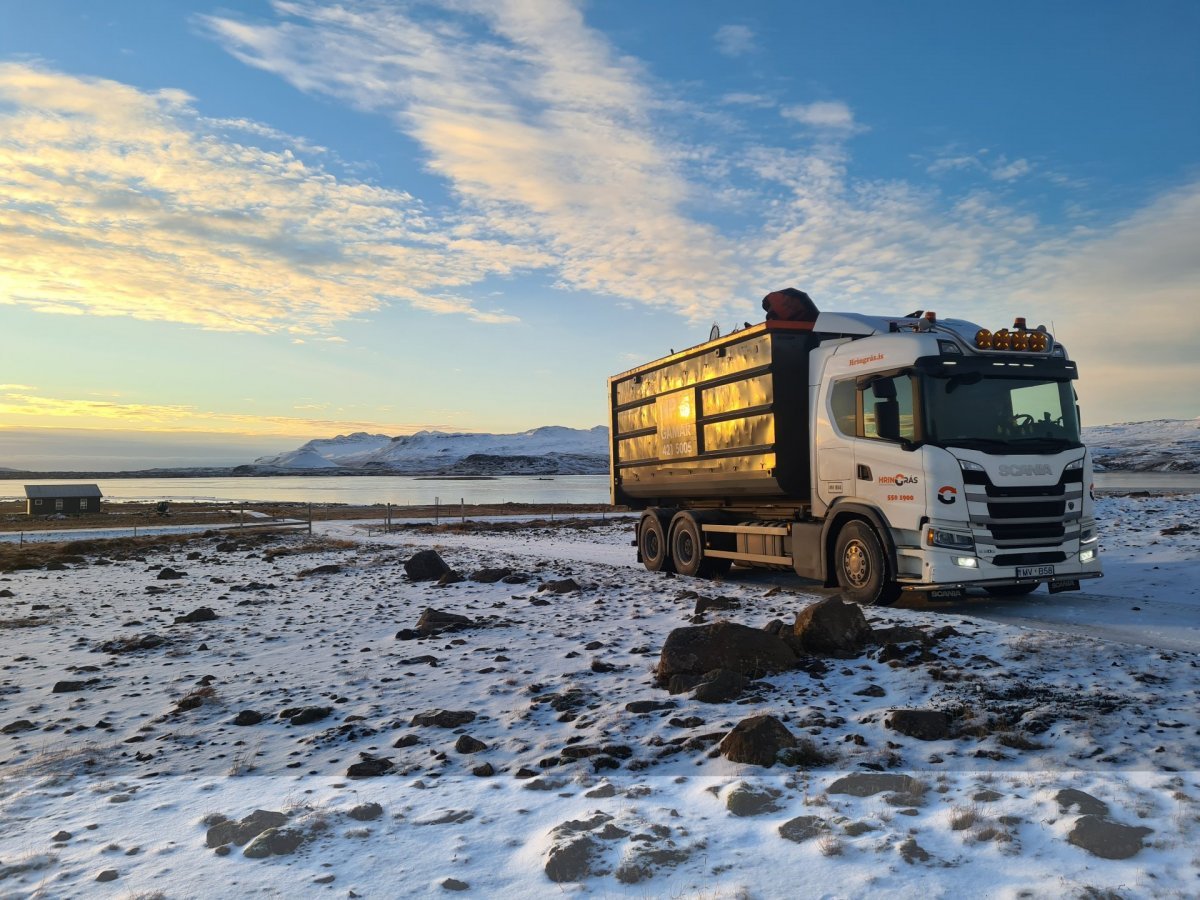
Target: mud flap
[{"x": 1057, "y": 587}]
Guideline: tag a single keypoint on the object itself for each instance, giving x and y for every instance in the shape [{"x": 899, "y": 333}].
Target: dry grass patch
[
  {"x": 986, "y": 833},
  {"x": 830, "y": 845},
  {"x": 1017, "y": 740},
  {"x": 963, "y": 817}
]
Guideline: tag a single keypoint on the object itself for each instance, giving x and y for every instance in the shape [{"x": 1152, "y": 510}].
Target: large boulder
[
  {"x": 227, "y": 832},
  {"x": 720, "y": 686},
  {"x": 425, "y": 565},
  {"x": 745, "y": 799},
  {"x": 867, "y": 784},
  {"x": 572, "y": 859},
  {"x": 275, "y": 842},
  {"x": 200, "y": 614},
  {"x": 434, "y": 621},
  {"x": 922, "y": 724},
  {"x": 830, "y": 627},
  {"x": 443, "y": 718},
  {"x": 803, "y": 828},
  {"x": 700, "y": 649},
  {"x": 757, "y": 741},
  {"x": 1107, "y": 839}
]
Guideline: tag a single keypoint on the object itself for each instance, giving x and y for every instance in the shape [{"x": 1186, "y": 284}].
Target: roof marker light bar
[{"x": 1019, "y": 340}]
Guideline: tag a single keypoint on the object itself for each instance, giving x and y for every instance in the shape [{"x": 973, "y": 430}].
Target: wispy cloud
[
  {"x": 734, "y": 40},
  {"x": 124, "y": 202},
  {"x": 545, "y": 133},
  {"x": 827, "y": 115},
  {"x": 25, "y": 409},
  {"x": 741, "y": 98},
  {"x": 996, "y": 166}
]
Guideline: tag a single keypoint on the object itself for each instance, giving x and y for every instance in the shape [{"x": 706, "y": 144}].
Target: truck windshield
[{"x": 991, "y": 413}]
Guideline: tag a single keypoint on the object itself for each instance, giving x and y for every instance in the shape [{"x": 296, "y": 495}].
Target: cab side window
[
  {"x": 844, "y": 403},
  {"x": 887, "y": 405}
]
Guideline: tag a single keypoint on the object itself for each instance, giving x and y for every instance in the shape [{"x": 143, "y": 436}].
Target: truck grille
[{"x": 1011, "y": 518}]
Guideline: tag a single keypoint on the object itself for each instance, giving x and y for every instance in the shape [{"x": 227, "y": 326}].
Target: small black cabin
[{"x": 71, "y": 499}]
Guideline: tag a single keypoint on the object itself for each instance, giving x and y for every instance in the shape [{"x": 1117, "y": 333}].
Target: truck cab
[{"x": 970, "y": 454}]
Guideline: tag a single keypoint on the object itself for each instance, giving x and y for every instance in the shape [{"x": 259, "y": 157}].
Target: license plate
[{"x": 1034, "y": 571}]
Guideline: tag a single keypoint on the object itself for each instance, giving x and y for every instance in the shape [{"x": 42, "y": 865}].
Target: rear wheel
[
  {"x": 687, "y": 546},
  {"x": 1012, "y": 590},
  {"x": 652, "y": 544},
  {"x": 862, "y": 566}
]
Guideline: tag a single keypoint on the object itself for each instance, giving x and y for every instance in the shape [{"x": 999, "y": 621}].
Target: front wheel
[
  {"x": 862, "y": 566},
  {"x": 652, "y": 544},
  {"x": 1012, "y": 590}
]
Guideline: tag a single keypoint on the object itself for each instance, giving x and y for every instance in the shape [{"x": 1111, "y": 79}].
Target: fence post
[
  {"x": 437, "y": 510},
  {"x": 310, "y": 518},
  {"x": 462, "y": 510},
  {"x": 387, "y": 521}
]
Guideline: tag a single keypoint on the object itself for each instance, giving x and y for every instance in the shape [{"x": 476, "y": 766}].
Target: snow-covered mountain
[{"x": 551, "y": 450}]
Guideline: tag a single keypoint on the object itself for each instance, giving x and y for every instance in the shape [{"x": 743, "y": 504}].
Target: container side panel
[
  {"x": 637, "y": 449},
  {"x": 732, "y": 434},
  {"x": 639, "y": 418},
  {"x": 744, "y": 394}
]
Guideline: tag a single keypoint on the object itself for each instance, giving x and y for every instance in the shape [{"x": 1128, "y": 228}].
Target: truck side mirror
[{"x": 887, "y": 419}]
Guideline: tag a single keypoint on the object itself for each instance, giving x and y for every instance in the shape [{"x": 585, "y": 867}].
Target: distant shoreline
[{"x": 240, "y": 472}]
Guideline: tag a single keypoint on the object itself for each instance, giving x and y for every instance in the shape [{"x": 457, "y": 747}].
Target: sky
[{"x": 227, "y": 228}]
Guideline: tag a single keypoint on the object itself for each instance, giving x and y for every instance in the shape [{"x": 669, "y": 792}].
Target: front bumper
[{"x": 941, "y": 573}]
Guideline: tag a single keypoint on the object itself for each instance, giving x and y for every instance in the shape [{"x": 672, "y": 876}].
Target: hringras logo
[{"x": 899, "y": 478}]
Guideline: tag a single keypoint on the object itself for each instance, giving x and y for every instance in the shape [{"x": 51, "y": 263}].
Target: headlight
[
  {"x": 1087, "y": 555},
  {"x": 1075, "y": 464},
  {"x": 940, "y": 537},
  {"x": 968, "y": 466},
  {"x": 1088, "y": 536}
]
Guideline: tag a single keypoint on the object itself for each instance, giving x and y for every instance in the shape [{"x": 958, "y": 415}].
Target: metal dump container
[{"x": 722, "y": 422}]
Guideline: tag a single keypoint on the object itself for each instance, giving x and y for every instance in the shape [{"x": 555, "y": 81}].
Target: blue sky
[{"x": 237, "y": 226}]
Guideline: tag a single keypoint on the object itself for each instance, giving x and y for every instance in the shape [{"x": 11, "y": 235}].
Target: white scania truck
[{"x": 879, "y": 454}]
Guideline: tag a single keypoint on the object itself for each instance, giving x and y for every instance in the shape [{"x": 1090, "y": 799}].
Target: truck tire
[
  {"x": 862, "y": 567},
  {"x": 687, "y": 547},
  {"x": 652, "y": 544},
  {"x": 1012, "y": 590}
]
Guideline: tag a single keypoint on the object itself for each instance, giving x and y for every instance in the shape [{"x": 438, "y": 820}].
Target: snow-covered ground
[
  {"x": 1160, "y": 445},
  {"x": 120, "y": 751}
]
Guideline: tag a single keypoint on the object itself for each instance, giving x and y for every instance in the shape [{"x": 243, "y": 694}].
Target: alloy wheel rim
[{"x": 856, "y": 564}]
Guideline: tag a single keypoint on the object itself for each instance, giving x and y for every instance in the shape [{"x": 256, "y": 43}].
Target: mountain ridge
[{"x": 548, "y": 450}]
